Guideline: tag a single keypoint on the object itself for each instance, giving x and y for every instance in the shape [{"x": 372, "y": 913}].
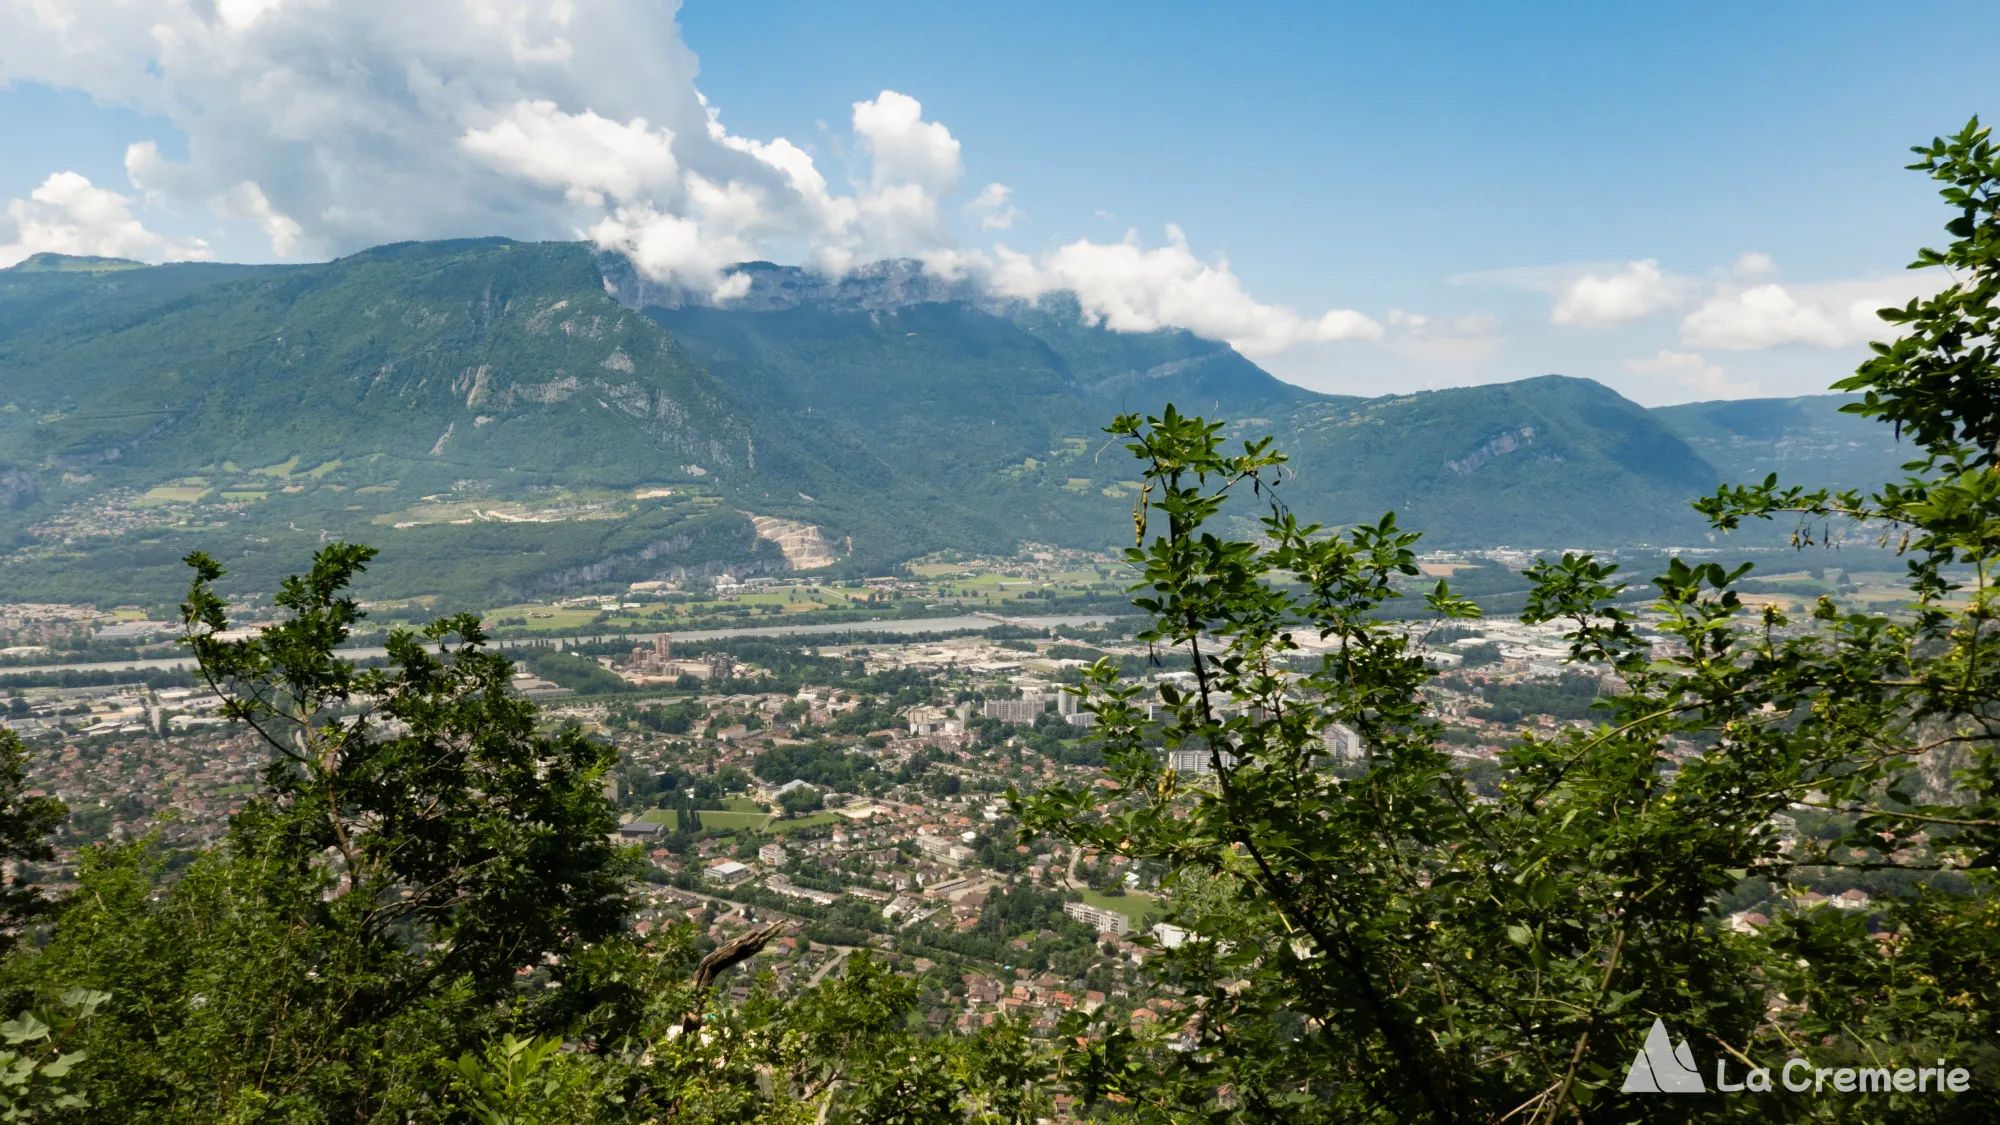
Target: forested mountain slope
[
  {"x": 507, "y": 418},
  {"x": 967, "y": 387},
  {"x": 385, "y": 353},
  {"x": 398, "y": 395},
  {"x": 1546, "y": 462}
]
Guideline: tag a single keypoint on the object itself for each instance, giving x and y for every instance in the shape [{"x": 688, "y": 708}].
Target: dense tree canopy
[
  {"x": 1387, "y": 944},
  {"x": 422, "y": 918}
]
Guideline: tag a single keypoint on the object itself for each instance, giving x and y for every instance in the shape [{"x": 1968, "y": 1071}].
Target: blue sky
[{"x": 1478, "y": 192}]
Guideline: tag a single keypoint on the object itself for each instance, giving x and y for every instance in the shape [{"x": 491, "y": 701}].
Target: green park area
[
  {"x": 741, "y": 815},
  {"x": 714, "y": 820},
  {"x": 799, "y": 824},
  {"x": 1136, "y": 905}
]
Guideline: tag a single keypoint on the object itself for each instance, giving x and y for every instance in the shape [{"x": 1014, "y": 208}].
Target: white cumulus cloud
[
  {"x": 588, "y": 156},
  {"x": 1742, "y": 307},
  {"x": 332, "y": 125},
  {"x": 1753, "y": 267},
  {"x": 1129, "y": 288},
  {"x": 1762, "y": 316},
  {"x": 993, "y": 207},
  {"x": 366, "y": 121},
  {"x": 1824, "y": 315},
  {"x": 906, "y": 148},
  {"x": 68, "y": 214},
  {"x": 246, "y": 201},
  {"x": 1637, "y": 291}
]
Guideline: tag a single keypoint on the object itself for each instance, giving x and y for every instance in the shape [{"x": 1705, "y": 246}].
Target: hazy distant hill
[
  {"x": 508, "y": 418},
  {"x": 1803, "y": 440},
  {"x": 1546, "y": 462},
  {"x": 59, "y": 293}
]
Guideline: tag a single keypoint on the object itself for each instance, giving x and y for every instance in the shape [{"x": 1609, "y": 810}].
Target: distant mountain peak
[
  {"x": 47, "y": 262},
  {"x": 437, "y": 248}
]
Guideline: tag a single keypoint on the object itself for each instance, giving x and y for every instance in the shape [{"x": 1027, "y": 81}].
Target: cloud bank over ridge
[
  {"x": 332, "y": 125},
  {"x": 320, "y": 127}
]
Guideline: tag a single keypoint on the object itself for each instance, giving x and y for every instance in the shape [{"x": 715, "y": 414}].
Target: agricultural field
[
  {"x": 173, "y": 494},
  {"x": 1797, "y": 592},
  {"x": 1013, "y": 585}
]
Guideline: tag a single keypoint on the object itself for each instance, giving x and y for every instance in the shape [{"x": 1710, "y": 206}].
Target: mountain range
[{"x": 513, "y": 419}]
